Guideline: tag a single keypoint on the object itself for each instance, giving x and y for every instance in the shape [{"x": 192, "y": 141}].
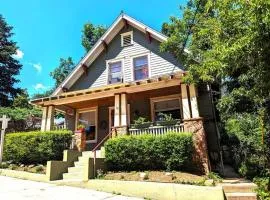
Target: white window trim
[
  {"x": 78, "y": 111},
  {"x": 122, "y": 69},
  {"x": 125, "y": 34},
  {"x": 165, "y": 98},
  {"x": 132, "y": 63}
]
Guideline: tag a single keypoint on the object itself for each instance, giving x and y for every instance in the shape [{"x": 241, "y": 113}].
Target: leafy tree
[
  {"x": 230, "y": 39},
  {"x": 44, "y": 94},
  {"x": 61, "y": 72},
  {"x": 228, "y": 43},
  {"x": 9, "y": 66},
  {"x": 22, "y": 100},
  {"x": 24, "y": 116},
  {"x": 91, "y": 34}
]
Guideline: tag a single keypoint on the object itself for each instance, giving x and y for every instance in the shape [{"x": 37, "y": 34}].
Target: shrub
[
  {"x": 245, "y": 140},
  {"x": 36, "y": 147},
  {"x": 172, "y": 151},
  {"x": 263, "y": 189}
]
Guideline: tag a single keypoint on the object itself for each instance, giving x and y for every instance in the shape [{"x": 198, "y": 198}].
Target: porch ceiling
[{"x": 74, "y": 98}]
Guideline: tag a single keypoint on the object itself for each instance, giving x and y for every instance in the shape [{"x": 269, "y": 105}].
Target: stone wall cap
[{"x": 193, "y": 119}]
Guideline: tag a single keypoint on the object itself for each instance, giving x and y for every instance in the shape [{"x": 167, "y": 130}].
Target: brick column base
[
  {"x": 80, "y": 140},
  {"x": 200, "y": 156}
]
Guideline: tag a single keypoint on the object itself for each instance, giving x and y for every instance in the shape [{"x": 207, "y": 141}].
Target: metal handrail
[{"x": 99, "y": 144}]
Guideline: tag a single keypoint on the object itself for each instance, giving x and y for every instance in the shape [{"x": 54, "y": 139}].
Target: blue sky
[{"x": 47, "y": 30}]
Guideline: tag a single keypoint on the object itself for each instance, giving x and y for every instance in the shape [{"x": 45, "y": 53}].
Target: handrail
[{"x": 98, "y": 145}]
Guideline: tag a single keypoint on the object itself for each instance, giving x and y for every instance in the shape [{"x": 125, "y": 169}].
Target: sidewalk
[{"x": 12, "y": 188}]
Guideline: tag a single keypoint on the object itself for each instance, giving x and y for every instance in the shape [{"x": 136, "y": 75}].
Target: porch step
[
  {"x": 79, "y": 164},
  {"x": 76, "y": 169},
  {"x": 87, "y": 154},
  {"x": 83, "y": 159},
  {"x": 241, "y": 196},
  {"x": 99, "y": 153},
  {"x": 76, "y": 173},
  {"x": 73, "y": 176},
  {"x": 239, "y": 187}
]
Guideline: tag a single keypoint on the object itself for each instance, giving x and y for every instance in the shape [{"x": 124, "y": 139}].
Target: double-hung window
[
  {"x": 115, "y": 72},
  {"x": 140, "y": 66}
]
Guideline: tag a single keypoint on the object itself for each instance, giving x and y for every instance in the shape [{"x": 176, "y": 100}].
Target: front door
[{"x": 111, "y": 116}]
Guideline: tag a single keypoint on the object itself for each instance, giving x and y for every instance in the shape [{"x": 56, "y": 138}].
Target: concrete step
[
  {"x": 238, "y": 187},
  {"x": 90, "y": 154},
  {"x": 87, "y": 154},
  {"x": 241, "y": 196},
  {"x": 83, "y": 159},
  {"x": 79, "y": 164},
  {"x": 73, "y": 175},
  {"x": 76, "y": 169}
]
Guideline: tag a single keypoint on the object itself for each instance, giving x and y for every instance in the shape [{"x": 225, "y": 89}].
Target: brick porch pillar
[
  {"x": 200, "y": 157},
  {"x": 194, "y": 123},
  {"x": 80, "y": 140}
]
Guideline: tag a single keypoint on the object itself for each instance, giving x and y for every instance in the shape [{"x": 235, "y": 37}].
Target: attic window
[{"x": 126, "y": 39}]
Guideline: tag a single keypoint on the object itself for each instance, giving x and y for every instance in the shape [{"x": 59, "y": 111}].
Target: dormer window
[{"x": 126, "y": 39}]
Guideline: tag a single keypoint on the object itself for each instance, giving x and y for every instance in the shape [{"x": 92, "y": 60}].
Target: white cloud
[
  {"x": 40, "y": 86},
  {"x": 37, "y": 66},
  {"x": 19, "y": 54}
]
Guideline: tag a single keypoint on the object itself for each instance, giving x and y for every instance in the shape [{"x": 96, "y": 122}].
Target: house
[{"x": 125, "y": 76}]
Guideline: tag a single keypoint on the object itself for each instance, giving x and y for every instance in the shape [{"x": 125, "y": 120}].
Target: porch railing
[
  {"x": 59, "y": 127},
  {"x": 157, "y": 130}
]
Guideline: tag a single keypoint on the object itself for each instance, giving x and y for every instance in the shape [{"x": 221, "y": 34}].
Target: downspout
[{"x": 209, "y": 88}]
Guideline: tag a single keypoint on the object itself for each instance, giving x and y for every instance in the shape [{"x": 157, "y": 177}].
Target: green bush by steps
[
  {"x": 172, "y": 151},
  {"x": 36, "y": 147}
]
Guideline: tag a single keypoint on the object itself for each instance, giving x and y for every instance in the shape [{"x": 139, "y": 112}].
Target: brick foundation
[
  {"x": 80, "y": 140},
  {"x": 200, "y": 156}
]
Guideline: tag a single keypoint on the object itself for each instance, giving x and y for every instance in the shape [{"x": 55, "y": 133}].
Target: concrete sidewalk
[{"x": 12, "y": 188}]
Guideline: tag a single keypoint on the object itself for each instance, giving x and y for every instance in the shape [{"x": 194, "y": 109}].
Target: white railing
[
  {"x": 73, "y": 142},
  {"x": 60, "y": 127},
  {"x": 157, "y": 130}
]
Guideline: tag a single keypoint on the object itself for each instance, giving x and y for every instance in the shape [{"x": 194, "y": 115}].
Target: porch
[
  {"x": 164, "y": 103},
  {"x": 100, "y": 109}
]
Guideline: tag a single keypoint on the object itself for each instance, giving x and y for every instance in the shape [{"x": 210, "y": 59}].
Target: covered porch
[{"x": 118, "y": 106}]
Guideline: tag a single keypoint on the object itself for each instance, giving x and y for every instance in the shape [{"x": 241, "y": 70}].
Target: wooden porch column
[
  {"x": 117, "y": 110},
  {"x": 50, "y": 118},
  {"x": 193, "y": 101},
  {"x": 124, "y": 109},
  {"x": 185, "y": 102},
  {"x": 44, "y": 118}
]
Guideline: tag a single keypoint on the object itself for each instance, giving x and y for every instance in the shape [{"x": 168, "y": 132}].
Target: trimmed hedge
[
  {"x": 36, "y": 147},
  {"x": 172, "y": 151}
]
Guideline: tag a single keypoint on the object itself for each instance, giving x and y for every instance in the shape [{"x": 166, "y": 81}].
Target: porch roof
[{"x": 110, "y": 90}]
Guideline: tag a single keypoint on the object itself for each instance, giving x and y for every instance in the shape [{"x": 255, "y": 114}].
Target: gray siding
[{"x": 160, "y": 63}]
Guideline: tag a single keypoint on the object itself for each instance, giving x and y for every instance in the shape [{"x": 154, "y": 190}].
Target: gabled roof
[{"x": 107, "y": 37}]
